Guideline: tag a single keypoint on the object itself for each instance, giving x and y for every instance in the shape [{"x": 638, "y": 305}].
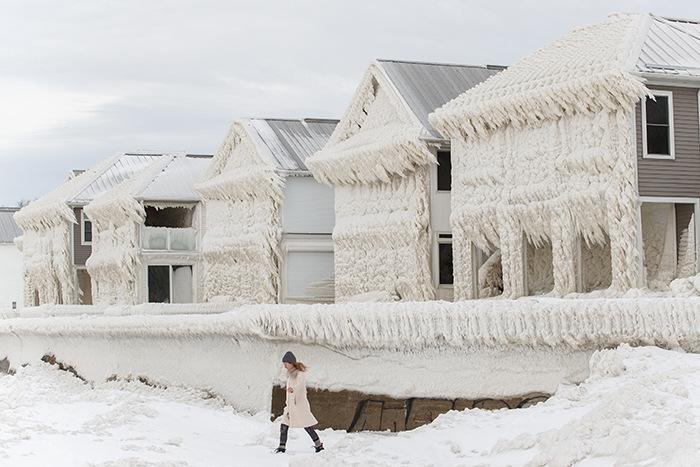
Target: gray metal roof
[
  {"x": 671, "y": 47},
  {"x": 290, "y": 142},
  {"x": 123, "y": 168},
  {"x": 8, "y": 228},
  {"x": 427, "y": 86},
  {"x": 176, "y": 180}
]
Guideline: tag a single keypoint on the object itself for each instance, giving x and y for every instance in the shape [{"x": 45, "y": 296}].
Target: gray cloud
[{"x": 175, "y": 73}]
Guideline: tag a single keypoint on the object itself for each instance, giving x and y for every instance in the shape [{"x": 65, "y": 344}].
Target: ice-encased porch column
[
  {"x": 512, "y": 254},
  {"x": 623, "y": 209},
  {"x": 464, "y": 264},
  {"x": 565, "y": 255}
]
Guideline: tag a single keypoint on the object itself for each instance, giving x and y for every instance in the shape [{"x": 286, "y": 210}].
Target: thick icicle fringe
[
  {"x": 376, "y": 158},
  {"x": 242, "y": 195},
  {"x": 560, "y": 324},
  {"x": 584, "y": 72},
  {"x": 382, "y": 239},
  {"x": 544, "y": 194},
  {"x": 376, "y": 139},
  {"x": 46, "y": 223},
  {"x": 378, "y": 164},
  {"x": 115, "y": 258}
]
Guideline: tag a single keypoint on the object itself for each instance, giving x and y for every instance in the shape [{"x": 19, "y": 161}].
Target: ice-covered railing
[
  {"x": 163, "y": 238},
  {"x": 564, "y": 324},
  {"x": 45, "y": 311}
]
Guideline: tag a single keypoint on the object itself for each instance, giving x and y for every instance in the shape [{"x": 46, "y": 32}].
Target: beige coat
[{"x": 297, "y": 412}]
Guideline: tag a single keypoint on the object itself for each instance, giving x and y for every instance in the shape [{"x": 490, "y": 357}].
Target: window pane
[
  {"x": 182, "y": 284},
  {"x": 444, "y": 181},
  {"x": 657, "y": 139},
  {"x": 87, "y": 230},
  {"x": 158, "y": 284},
  {"x": 657, "y": 112},
  {"x": 445, "y": 254}
]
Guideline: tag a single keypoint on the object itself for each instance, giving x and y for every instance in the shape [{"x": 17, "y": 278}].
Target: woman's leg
[
  {"x": 284, "y": 431},
  {"x": 314, "y": 436}
]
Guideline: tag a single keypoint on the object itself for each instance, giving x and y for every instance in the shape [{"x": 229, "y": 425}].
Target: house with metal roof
[
  {"x": 578, "y": 167},
  {"x": 11, "y": 274},
  {"x": 390, "y": 170},
  {"x": 58, "y": 237},
  {"x": 145, "y": 234},
  {"x": 267, "y": 221}
]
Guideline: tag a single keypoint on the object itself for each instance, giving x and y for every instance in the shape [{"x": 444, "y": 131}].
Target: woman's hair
[{"x": 299, "y": 366}]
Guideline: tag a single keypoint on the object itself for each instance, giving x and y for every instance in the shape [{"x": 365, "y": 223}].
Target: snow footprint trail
[
  {"x": 53, "y": 418},
  {"x": 639, "y": 406}
]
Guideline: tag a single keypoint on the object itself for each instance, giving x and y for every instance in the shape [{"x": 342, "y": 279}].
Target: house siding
[
  {"x": 80, "y": 252},
  {"x": 679, "y": 177}
]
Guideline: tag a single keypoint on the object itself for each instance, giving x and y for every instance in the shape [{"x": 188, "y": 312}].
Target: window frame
[
  {"x": 444, "y": 241},
  {"x": 671, "y": 133},
  {"x": 171, "y": 267},
  {"x": 83, "y": 218},
  {"x": 437, "y": 171}
]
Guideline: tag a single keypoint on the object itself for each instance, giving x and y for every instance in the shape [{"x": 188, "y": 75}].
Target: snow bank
[{"x": 638, "y": 407}]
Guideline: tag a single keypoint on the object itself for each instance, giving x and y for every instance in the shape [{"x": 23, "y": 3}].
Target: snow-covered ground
[{"x": 639, "y": 407}]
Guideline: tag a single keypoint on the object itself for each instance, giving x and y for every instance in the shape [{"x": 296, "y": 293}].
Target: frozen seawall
[{"x": 472, "y": 349}]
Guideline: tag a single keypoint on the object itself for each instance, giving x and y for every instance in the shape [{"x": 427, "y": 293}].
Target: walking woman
[{"x": 297, "y": 412}]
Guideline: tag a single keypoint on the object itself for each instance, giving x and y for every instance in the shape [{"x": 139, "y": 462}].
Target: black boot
[
  {"x": 319, "y": 448},
  {"x": 281, "y": 449}
]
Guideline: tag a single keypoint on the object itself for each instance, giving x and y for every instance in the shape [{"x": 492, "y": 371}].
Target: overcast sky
[{"x": 81, "y": 80}]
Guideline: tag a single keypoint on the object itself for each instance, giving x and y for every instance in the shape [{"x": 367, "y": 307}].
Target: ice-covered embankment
[{"x": 472, "y": 349}]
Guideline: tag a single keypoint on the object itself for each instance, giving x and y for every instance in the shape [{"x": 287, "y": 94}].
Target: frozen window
[
  {"x": 158, "y": 284},
  {"x": 657, "y": 117},
  {"x": 86, "y": 229},
  {"x": 445, "y": 263},
  {"x": 444, "y": 171},
  {"x": 175, "y": 217},
  {"x": 170, "y": 284}
]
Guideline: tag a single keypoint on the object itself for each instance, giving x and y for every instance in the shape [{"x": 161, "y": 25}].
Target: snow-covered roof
[
  {"x": 384, "y": 130},
  {"x": 289, "y": 142},
  {"x": 123, "y": 167},
  {"x": 586, "y": 70},
  {"x": 671, "y": 47},
  {"x": 9, "y": 229},
  {"x": 590, "y": 68},
  {"x": 426, "y": 86},
  {"x": 175, "y": 181}
]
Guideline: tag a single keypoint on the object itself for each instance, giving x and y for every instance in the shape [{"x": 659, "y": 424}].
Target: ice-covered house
[
  {"x": 578, "y": 168},
  {"x": 392, "y": 198},
  {"x": 145, "y": 233},
  {"x": 11, "y": 270},
  {"x": 57, "y": 235},
  {"x": 268, "y": 223}
]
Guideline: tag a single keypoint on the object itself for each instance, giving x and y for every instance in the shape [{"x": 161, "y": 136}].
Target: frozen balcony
[{"x": 169, "y": 238}]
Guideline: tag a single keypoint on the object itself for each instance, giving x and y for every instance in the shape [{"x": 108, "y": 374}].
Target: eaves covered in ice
[
  {"x": 384, "y": 130},
  {"x": 590, "y": 69}
]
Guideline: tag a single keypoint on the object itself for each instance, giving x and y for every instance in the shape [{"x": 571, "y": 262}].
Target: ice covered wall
[
  {"x": 659, "y": 237},
  {"x": 545, "y": 151},
  {"x": 116, "y": 216},
  {"x": 242, "y": 195},
  {"x": 378, "y": 165},
  {"x": 513, "y": 347},
  {"x": 49, "y": 275}
]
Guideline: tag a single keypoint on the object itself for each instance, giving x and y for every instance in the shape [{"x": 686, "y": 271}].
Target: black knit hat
[{"x": 289, "y": 358}]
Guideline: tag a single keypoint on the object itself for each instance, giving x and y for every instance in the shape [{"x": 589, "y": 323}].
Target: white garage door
[{"x": 309, "y": 276}]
